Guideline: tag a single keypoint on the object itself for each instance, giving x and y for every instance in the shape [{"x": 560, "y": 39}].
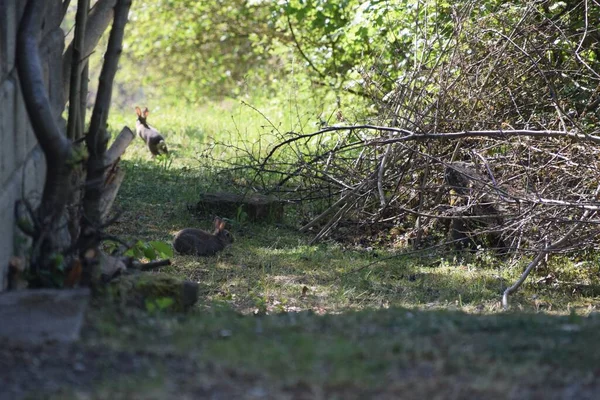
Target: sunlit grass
[
  {"x": 210, "y": 134},
  {"x": 272, "y": 268},
  {"x": 269, "y": 266},
  {"x": 333, "y": 316}
]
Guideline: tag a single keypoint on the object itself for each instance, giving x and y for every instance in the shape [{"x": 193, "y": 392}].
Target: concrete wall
[{"x": 22, "y": 163}]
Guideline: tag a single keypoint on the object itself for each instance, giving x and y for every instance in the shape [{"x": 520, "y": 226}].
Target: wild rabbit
[
  {"x": 200, "y": 243},
  {"x": 153, "y": 139}
]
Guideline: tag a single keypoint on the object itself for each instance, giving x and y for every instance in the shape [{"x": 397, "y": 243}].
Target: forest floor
[{"x": 281, "y": 318}]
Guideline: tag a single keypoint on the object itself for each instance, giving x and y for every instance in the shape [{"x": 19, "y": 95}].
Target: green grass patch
[
  {"x": 372, "y": 349},
  {"x": 272, "y": 267},
  {"x": 337, "y": 318}
]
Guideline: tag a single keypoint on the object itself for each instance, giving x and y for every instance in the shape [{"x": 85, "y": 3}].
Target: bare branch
[
  {"x": 151, "y": 265},
  {"x": 549, "y": 248}
]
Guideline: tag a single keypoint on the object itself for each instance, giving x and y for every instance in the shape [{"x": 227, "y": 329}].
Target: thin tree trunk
[
  {"x": 57, "y": 149},
  {"x": 97, "y": 138},
  {"x": 98, "y": 20}
]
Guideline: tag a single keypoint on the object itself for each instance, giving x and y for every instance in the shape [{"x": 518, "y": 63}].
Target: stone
[{"x": 43, "y": 315}]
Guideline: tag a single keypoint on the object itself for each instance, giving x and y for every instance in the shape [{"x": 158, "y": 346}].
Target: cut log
[
  {"x": 256, "y": 207},
  {"x": 152, "y": 291},
  {"x": 111, "y": 189},
  {"x": 119, "y": 146},
  {"x": 114, "y": 175}
]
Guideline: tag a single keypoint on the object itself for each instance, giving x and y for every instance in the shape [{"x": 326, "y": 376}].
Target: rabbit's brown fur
[
  {"x": 153, "y": 139},
  {"x": 200, "y": 243}
]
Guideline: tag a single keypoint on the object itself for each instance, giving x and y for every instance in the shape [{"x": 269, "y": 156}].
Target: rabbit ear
[
  {"x": 138, "y": 111},
  {"x": 146, "y": 112},
  {"x": 219, "y": 224}
]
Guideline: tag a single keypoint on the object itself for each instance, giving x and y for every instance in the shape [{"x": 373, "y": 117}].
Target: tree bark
[
  {"x": 96, "y": 139},
  {"x": 98, "y": 20},
  {"x": 119, "y": 146},
  {"x": 73, "y": 126},
  {"x": 57, "y": 149}
]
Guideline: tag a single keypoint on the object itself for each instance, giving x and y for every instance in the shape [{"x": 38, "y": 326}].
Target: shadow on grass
[
  {"x": 273, "y": 268},
  {"x": 444, "y": 354},
  {"x": 153, "y": 199},
  {"x": 403, "y": 351}
]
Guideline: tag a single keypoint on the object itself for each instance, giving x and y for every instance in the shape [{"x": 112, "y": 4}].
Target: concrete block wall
[{"x": 22, "y": 163}]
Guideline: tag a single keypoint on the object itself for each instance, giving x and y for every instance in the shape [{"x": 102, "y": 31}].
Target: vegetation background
[
  {"x": 372, "y": 300},
  {"x": 227, "y": 81}
]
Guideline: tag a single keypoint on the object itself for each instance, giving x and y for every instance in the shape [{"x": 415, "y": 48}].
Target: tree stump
[
  {"x": 155, "y": 292},
  {"x": 255, "y": 207}
]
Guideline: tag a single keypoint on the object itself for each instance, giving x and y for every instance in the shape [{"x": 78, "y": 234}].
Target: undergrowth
[{"x": 272, "y": 267}]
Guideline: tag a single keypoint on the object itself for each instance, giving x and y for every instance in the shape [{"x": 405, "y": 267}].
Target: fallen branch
[
  {"x": 495, "y": 134},
  {"x": 344, "y": 200},
  {"x": 408, "y": 136},
  {"x": 548, "y": 249},
  {"x": 151, "y": 265}
]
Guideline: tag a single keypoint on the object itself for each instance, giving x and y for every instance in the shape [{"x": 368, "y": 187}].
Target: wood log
[
  {"x": 114, "y": 175},
  {"x": 257, "y": 207},
  {"x": 111, "y": 188},
  {"x": 119, "y": 146}
]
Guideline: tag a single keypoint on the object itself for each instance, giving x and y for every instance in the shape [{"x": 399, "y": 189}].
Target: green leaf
[
  {"x": 58, "y": 260},
  {"x": 164, "y": 249},
  {"x": 149, "y": 253},
  {"x": 164, "y": 302}
]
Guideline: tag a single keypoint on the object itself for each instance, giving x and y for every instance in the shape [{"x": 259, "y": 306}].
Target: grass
[
  {"x": 372, "y": 353},
  {"x": 269, "y": 266},
  {"x": 335, "y": 320}
]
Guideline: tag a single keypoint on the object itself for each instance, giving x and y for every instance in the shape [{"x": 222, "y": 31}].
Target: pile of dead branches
[{"x": 493, "y": 142}]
